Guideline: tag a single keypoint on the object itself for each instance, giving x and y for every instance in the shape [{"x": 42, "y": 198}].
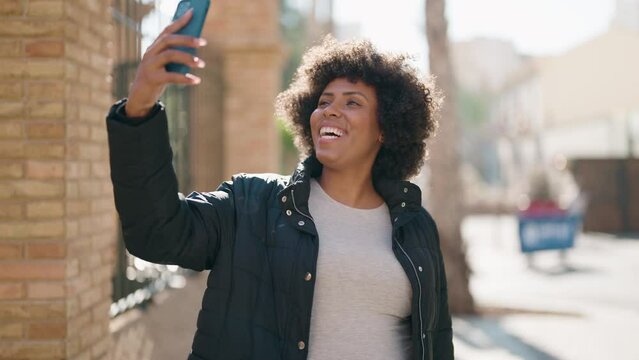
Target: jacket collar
[{"x": 400, "y": 196}]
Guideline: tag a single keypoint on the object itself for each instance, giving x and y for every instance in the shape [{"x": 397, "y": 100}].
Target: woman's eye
[
  {"x": 351, "y": 103},
  {"x": 322, "y": 103}
]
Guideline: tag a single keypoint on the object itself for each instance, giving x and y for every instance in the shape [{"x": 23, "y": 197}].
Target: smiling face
[{"x": 344, "y": 126}]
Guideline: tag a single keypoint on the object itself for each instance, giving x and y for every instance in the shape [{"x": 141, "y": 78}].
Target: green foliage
[
  {"x": 293, "y": 26},
  {"x": 473, "y": 108},
  {"x": 289, "y": 155},
  {"x": 286, "y": 136}
]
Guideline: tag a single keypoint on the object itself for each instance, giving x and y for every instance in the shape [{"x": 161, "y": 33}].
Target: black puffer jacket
[{"x": 256, "y": 235}]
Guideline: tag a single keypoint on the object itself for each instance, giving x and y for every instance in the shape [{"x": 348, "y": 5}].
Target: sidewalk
[{"x": 587, "y": 310}]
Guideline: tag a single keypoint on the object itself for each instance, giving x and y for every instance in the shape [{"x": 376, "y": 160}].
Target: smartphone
[{"x": 192, "y": 28}]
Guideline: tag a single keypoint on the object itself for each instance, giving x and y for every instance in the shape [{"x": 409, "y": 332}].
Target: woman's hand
[{"x": 151, "y": 78}]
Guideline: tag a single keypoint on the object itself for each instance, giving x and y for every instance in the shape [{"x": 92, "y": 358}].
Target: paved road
[{"x": 585, "y": 309}]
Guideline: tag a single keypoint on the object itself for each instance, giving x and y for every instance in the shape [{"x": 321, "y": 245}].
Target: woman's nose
[{"x": 331, "y": 110}]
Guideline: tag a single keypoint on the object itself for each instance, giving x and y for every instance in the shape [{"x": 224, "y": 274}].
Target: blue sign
[{"x": 547, "y": 232}]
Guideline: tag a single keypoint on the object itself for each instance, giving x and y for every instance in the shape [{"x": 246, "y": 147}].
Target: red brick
[
  {"x": 92, "y": 333},
  {"x": 11, "y": 169},
  {"x": 47, "y": 8},
  {"x": 41, "y": 350},
  {"x": 90, "y": 297},
  {"x": 89, "y": 262},
  {"x": 12, "y": 150},
  {"x": 44, "y": 151},
  {"x": 78, "y": 131},
  {"x": 11, "y": 130},
  {"x": 12, "y": 69},
  {"x": 78, "y": 248},
  {"x": 102, "y": 205},
  {"x": 11, "y": 291},
  {"x": 10, "y": 91},
  {"x": 72, "y": 309},
  {"x": 71, "y": 189},
  {"x": 10, "y": 251},
  {"x": 77, "y": 53},
  {"x": 11, "y": 330},
  {"x": 99, "y": 134},
  {"x": 44, "y": 48},
  {"x": 77, "y": 169},
  {"x": 10, "y": 48},
  {"x": 10, "y": 7},
  {"x": 102, "y": 274},
  {"x": 89, "y": 40},
  {"x": 78, "y": 207},
  {"x": 73, "y": 269},
  {"x": 45, "y": 130},
  {"x": 19, "y": 311},
  {"x": 46, "y": 290},
  {"x": 45, "y": 209},
  {"x": 89, "y": 188},
  {"x": 9, "y": 211},
  {"x": 72, "y": 227},
  {"x": 45, "y": 110},
  {"x": 32, "y": 270},
  {"x": 26, "y": 28},
  {"x": 46, "y": 90},
  {"x": 47, "y": 229},
  {"x": 44, "y": 169},
  {"x": 86, "y": 151},
  {"x": 81, "y": 94},
  {"x": 11, "y": 110},
  {"x": 79, "y": 284},
  {"x": 31, "y": 189},
  {"x": 100, "y": 350},
  {"x": 47, "y": 330},
  {"x": 79, "y": 323},
  {"x": 44, "y": 68},
  {"x": 54, "y": 250}
]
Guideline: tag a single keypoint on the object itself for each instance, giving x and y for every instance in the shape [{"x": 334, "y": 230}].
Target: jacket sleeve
[
  {"x": 158, "y": 224},
  {"x": 443, "y": 337}
]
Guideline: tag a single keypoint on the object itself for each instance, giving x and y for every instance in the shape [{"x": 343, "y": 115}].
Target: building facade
[{"x": 61, "y": 66}]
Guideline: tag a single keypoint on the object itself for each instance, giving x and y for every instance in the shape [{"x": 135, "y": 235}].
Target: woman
[{"x": 337, "y": 261}]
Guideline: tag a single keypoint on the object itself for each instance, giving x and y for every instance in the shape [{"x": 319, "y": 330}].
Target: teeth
[{"x": 331, "y": 132}]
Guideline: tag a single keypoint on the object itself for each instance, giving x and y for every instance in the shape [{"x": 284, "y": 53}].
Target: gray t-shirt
[{"x": 362, "y": 296}]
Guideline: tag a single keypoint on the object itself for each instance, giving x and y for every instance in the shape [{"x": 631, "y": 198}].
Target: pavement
[{"x": 584, "y": 308}]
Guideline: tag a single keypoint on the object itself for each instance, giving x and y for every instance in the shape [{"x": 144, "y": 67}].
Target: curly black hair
[{"x": 406, "y": 104}]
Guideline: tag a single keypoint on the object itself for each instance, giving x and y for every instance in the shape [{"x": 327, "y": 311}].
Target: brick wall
[{"x": 57, "y": 224}]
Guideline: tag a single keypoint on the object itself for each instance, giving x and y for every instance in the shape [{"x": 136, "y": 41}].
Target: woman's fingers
[
  {"x": 151, "y": 76},
  {"x": 172, "y": 40},
  {"x": 177, "y": 78},
  {"x": 177, "y": 56}
]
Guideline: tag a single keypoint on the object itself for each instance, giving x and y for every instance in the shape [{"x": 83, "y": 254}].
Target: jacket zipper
[
  {"x": 419, "y": 305},
  {"x": 298, "y": 210}
]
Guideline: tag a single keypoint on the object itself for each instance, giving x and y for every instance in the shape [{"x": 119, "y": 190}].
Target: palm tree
[{"x": 447, "y": 201}]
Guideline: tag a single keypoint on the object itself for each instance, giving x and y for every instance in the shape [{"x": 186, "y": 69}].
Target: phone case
[{"x": 193, "y": 28}]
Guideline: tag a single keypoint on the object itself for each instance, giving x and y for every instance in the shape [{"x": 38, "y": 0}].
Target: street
[{"x": 587, "y": 308}]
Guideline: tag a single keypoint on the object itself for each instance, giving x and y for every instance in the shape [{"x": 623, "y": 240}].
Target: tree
[{"x": 447, "y": 201}]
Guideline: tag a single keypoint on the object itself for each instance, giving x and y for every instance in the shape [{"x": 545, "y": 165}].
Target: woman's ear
[{"x": 381, "y": 138}]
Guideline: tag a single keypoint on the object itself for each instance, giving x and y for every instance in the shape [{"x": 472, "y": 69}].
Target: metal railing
[{"x": 136, "y": 281}]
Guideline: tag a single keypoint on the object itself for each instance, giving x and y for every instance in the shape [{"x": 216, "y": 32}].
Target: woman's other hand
[{"x": 151, "y": 77}]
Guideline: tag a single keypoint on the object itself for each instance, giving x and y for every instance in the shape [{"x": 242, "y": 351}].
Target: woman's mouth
[{"x": 328, "y": 132}]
